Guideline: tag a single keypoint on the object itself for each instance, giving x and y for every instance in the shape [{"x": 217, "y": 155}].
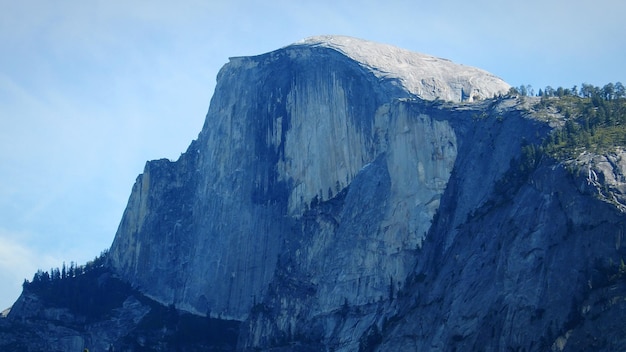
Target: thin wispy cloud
[{"x": 19, "y": 262}]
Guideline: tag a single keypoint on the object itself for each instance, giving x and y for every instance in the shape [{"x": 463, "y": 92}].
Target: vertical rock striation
[{"x": 286, "y": 131}]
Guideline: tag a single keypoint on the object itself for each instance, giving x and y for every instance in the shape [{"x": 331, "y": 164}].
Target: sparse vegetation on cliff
[
  {"x": 594, "y": 119},
  {"x": 86, "y": 290}
]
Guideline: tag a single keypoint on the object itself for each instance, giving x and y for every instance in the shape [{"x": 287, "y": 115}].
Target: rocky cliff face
[
  {"x": 285, "y": 131},
  {"x": 348, "y": 195}
]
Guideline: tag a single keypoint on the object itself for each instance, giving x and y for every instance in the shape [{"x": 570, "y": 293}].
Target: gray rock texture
[
  {"x": 425, "y": 76},
  {"x": 285, "y": 130}
]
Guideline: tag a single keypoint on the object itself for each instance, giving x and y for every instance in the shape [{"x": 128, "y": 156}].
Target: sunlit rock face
[
  {"x": 284, "y": 130},
  {"x": 425, "y": 76}
]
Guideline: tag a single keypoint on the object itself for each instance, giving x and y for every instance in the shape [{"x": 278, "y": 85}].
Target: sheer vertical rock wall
[{"x": 328, "y": 204}]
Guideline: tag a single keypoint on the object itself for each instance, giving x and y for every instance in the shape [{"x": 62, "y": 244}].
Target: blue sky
[{"x": 90, "y": 90}]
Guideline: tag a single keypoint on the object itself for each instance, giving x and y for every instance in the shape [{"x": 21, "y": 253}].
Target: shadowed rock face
[
  {"x": 341, "y": 197},
  {"x": 285, "y": 130}
]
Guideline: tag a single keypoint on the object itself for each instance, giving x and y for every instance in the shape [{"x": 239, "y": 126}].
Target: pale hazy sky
[{"x": 90, "y": 90}]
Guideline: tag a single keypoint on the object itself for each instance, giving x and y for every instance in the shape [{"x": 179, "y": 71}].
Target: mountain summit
[
  {"x": 348, "y": 195},
  {"x": 425, "y": 76}
]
